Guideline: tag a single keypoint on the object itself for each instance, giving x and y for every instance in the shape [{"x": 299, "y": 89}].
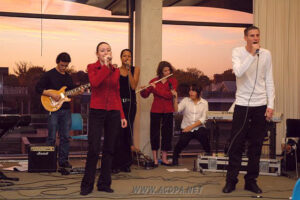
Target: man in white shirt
[
  {"x": 255, "y": 95},
  {"x": 194, "y": 109}
]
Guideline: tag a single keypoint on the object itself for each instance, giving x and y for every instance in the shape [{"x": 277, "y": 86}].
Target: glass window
[
  {"x": 58, "y": 7},
  {"x": 206, "y": 14},
  {"x": 202, "y": 55},
  {"x": 26, "y": 40},
  {"x": 29, "y": 47}
]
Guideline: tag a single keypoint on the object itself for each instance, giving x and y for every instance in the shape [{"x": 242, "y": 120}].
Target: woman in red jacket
[
  {"x": 161, "y": 116},
  {"x": 106, "y": 115}
]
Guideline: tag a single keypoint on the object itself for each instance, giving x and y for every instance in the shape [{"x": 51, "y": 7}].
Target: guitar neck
[{"x": 75, "y": 90}]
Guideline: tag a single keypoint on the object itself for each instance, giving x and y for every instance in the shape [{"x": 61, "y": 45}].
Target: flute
[{"x": 154, "y": 83}]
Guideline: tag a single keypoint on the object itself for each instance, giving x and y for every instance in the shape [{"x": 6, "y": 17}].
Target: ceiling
[{"x": 121, "y": 7}]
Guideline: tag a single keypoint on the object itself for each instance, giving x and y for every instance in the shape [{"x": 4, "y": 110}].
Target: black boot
[
  {"x": 105, "y": 189},
  {"x": 175, "y": 161},
  {"x": 253, "y": 187},
  {"x": 229, "y": 187}
]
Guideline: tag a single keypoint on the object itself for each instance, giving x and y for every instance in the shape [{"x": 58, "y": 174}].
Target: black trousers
[
  {"x": 123, "y": 156},
  {"x": 202, "y": 135},
  {"x": 161, "y": 122},
  {"x": 253, "y": 133},
  {"x": 101, "y": 121}
]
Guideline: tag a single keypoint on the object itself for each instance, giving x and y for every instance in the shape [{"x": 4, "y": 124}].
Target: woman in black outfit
[{"x": 129, "y": 77}]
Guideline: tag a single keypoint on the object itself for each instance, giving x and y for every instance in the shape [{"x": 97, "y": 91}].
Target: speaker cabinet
[{"x": 42, "y": 159}]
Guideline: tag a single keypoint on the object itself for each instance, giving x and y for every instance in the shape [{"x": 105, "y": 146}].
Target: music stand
[{"x": 9, "y": 122}]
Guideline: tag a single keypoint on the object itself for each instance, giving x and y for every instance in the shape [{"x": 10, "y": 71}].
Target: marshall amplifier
[{"x": 42, "y": 159}]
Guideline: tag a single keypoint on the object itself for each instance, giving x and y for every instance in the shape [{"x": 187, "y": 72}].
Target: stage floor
[{"x": 142, "y": 184}]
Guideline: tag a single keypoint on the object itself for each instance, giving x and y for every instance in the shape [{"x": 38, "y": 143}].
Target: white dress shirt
[
  {"x": 244, "y": 68},
  {"x": 193, "y": 112}
]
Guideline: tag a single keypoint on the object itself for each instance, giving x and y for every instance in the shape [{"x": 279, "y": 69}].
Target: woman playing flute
[{"x": 161, "y": 116}]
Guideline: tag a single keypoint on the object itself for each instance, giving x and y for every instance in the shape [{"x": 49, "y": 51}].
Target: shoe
[
  {"x": 155, "y": 165},
  {"x": 253, "y": 187},
  {"x": 175, "y": 162},
  {"x": 228, "y": 188},
  {"x": 126, "y": 169},
  {"x": 115, "y": 171},
  {"x": 165, "y": 164},
  {"x": 65, "y": 164},
  {"x": 64, "y": 171},
  {"x": 105, "y": 189},
  {"x": 85, "y": 191}
]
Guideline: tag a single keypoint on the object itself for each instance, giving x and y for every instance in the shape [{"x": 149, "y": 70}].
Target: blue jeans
[{"x": 60, "y": 121}]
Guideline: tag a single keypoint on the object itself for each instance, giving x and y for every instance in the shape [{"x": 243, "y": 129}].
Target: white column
[{"x": 148, "y": 53}]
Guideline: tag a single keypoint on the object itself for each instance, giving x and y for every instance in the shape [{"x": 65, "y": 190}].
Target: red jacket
[
  {"x": 163, "y": 98},
  {"x": 105, "y": 88}
]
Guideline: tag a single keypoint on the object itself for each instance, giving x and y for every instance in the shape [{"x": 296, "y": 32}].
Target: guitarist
[{"x": 59, "y": 120}]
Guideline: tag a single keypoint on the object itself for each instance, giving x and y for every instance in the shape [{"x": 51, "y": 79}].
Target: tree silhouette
[
  {"x": 80, "y": 78},
  {"x": 71, "y": 70},
  {"x": 28, "y": 75},
  {"x": 11, "y": 80},
  {"x": 228, "y": 75},
  {"x": 187, "y": 77},
  {"x": 22, "y": 68}
]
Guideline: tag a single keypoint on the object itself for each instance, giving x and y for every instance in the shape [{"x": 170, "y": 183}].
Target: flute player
[{"x": 161, "y": 115}]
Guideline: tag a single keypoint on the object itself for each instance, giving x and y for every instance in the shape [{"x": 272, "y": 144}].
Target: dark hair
[
  {"x": 124, "y": 51},
  {"x": 196, "y": 88},
  {"x": 64, "y": 57},
  {"x": 161, "y": 66},
  {"x": 100, "y": 44},
  {"x": 249, "y": 29}
]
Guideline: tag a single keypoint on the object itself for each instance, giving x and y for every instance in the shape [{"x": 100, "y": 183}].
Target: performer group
[{"x": 113, "y": 108}]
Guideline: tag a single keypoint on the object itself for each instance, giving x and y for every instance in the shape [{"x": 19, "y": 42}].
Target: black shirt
[
  {"x": 52, "y": 79},
  {"x": 125, "y": 88}
]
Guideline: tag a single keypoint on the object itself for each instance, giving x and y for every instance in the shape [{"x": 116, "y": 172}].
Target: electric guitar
[{"x": 51, "y": 105}]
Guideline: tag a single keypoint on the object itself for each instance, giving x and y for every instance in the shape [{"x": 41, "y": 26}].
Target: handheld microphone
[
  {"x": 107, "y": 60},
  {"x": 257, "y": 50},
  {"x": 127, "y": 65}
]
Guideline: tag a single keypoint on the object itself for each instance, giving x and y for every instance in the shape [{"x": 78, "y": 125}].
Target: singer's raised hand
[
  {"x": 107, "y": 59},
  {"x": 127, "y": 63},
  {"x": 115, "y": 66}
]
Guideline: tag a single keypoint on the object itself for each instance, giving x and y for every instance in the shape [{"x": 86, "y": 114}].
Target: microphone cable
[
  {"x": 246, "y": 115},
  {"x": 129, "y": 120}
]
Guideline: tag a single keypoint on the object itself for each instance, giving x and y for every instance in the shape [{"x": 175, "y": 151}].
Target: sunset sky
[{"x": 207, "y": 48}]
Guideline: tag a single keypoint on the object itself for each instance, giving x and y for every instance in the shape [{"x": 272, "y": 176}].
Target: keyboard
[{"x": 224, "y": 115}]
